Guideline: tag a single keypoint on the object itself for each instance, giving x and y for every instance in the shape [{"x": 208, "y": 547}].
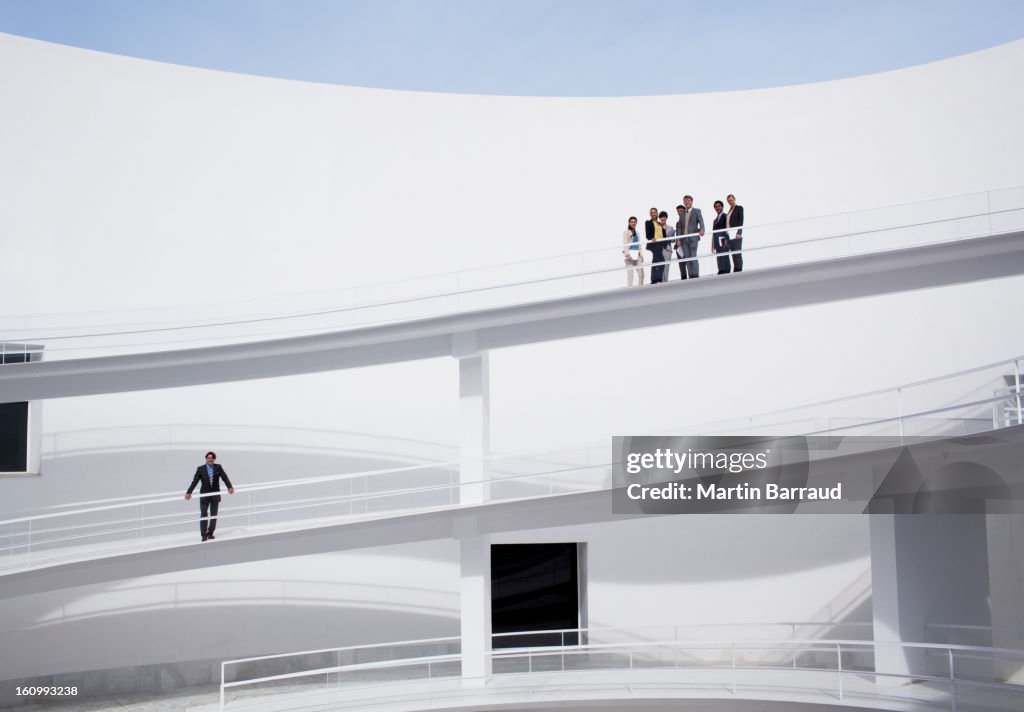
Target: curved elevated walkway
[
  {"x": 458, "y": 521},
  {"x": 828, "y": 280},
  {"x": 743, "y": 674}
]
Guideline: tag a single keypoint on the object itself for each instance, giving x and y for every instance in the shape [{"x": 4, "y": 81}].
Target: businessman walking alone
[{"x": 208, "y": 476}]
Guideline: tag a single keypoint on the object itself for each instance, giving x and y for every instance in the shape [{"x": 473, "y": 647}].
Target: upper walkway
[{"x": 948, "y": 241}]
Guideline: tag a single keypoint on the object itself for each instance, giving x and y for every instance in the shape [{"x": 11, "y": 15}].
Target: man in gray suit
[{"x": 690, "y": 224}]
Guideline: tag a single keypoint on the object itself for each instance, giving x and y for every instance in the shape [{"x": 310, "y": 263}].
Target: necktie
[{"x": 209, "y": 475}]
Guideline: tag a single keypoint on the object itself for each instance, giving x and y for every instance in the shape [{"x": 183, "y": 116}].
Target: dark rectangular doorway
[
  {"x": 14, "y": 437},
  {"x": 535, "y": 587}
]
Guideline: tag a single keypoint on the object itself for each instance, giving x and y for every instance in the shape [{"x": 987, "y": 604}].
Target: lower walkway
[{"x": 589, "y": 500}]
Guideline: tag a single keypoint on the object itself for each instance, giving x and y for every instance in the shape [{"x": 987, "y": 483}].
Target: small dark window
[
  {"x": 14, "y": 437},
  {"x": 14, "y": 416},
  {"x": 15, "y": 357},
  {"x": 534, "y": 587}
]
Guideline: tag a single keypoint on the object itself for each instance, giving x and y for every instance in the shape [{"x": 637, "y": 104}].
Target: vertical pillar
[
  {"x": 1006, "y": 582},
  {"x": 927, "y": 568},
  {"x": 474, "y": 547},
  {"x": 475, "y": 594},
  {"x": 474, "y": 418},
  {"x": 885, "y": 598}
]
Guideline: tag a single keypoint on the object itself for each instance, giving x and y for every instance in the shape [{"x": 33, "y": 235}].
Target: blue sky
[{"x": 530, "y": 47}]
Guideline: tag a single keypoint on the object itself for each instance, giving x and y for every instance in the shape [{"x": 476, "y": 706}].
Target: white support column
[
  {"x": 474, "y": 417},
  {"x": 915, "y": 560},
  {"x": 475, "y": 592},
  {"x": 1006, "y": 583},
  {"x": 885, "y": 598}
]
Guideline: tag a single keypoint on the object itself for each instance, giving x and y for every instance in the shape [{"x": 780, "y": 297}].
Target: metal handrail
[
  {"x": 820, "y": 645},
  {"x": 491, "y": 287},
  {"x": 157, "y": 522},
  {"x": 553, "y": 631},
  {"x": 282, "y": 484},
  {"x": 895, "y": 419},
  {"x": 333, "y": 328},
  {"x": 618, "y": 246},
  {"x": 540, "y": 453}
]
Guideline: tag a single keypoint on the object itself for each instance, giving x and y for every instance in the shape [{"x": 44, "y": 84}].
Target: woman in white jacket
[{"x": 631, "y": 253}]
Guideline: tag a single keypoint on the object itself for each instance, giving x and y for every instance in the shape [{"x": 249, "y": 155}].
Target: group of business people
[{"x": 666, "y": 242}]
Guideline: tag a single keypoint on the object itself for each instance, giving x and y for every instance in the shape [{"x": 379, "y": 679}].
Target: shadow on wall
[
  {"x": 105, "y": 463},
  {"x": 166, "y": 649},
  {"x": 720, "y": 548}
]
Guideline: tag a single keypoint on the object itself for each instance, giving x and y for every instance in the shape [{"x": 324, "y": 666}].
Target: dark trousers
[
  {"x": 735, "y": 245},
  {"x": 658, "y": 266},
  {"x": 720, "y": 243},
  {"x": 689, "y": 268},
  {"x": 208, "y": 507}
]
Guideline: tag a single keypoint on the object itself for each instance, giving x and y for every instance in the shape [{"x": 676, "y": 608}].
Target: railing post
[
  {"x": 952, "y": 680},
  {"x": 899, "y": 410},
  {"x": 733, "y": 656},
  {"x": 988, "y": 199},
  {"x": 995, "y": 410},
  {"x": 1016, "y": 379},
  {"x": 839, "y": 668},
  {"x": 792, "y": 636},
  {"x": 222, "y": 667}
]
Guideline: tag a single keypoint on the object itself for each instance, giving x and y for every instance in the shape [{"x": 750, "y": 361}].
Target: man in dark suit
[
  {"x": 691, "y": 226},
  {"x": 735, "y": 243},
  {"x": 208, "y": 476},
  {"x": 720, "y": 237}
]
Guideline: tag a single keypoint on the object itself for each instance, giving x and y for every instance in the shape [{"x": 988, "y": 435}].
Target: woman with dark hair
[{"x": 631, "y": 253}]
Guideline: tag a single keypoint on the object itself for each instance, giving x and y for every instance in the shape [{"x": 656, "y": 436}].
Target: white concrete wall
[
  {"x": 694, "y": 570},
  {"x": 135, "y": 184},
  {"x": 131, "y": 184},
  {"x": 303, "y": 603},
  {"x": 651, "y": 571}
]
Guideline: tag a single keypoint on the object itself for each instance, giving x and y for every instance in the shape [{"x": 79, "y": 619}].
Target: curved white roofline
[{"x": 358, "y": 87}]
